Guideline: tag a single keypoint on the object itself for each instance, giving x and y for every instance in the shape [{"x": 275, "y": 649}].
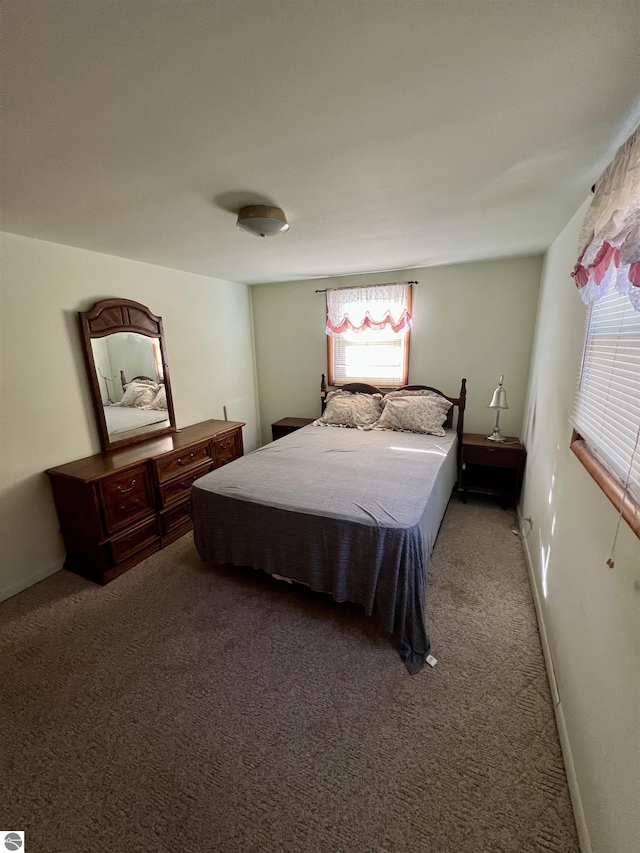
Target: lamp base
[{"x": 495, "y": 436}]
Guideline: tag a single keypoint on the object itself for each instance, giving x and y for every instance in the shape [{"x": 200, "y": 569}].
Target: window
[
  {"x": 368, "y": 334},
  {"x": 606, "y": 412}
]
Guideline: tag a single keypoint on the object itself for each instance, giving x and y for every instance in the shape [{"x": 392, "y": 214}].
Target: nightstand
[
  {"x": 491, "y": 467},
  {"x": 287, "y": 425}
]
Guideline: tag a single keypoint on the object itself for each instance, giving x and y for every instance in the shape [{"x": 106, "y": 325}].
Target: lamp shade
[
  {"x": 499, "y": 399},
  {"x": 262, "y": 220}
]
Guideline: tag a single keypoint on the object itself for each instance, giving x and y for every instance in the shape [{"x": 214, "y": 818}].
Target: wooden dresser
[{"x": 119, "y": 507}]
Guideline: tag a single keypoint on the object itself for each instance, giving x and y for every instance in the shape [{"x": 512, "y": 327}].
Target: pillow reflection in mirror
[
  {"x": 139, "y": 395},
  {"x": 160, "y": 401}
]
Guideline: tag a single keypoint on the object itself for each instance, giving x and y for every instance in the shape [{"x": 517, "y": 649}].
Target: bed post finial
[
  {"x": 462, "y": 400},
  {"x": 323, "y": 384}
]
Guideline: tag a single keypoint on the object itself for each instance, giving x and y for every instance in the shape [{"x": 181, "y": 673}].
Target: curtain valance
[
  {"x": 373, "y": 307},
  {"x": 609, "y": 242}
]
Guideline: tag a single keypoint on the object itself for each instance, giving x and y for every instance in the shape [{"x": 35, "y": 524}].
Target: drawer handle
[
  {"x": 130, "y": 507},
  {"x": 186, "y": 460},
  {"x": 129, "y": 488},
  {"x": 186, "y": 483},
  {"x": 225, "y": 444}
]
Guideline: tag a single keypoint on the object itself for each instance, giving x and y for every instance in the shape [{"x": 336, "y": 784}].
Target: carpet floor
[{"x": 191, "y": 708}]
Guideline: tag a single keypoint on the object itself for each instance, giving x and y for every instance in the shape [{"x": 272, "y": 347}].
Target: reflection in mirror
[
  {"x": 128, "y": 372},
  {"x": 131, "y": 381}
]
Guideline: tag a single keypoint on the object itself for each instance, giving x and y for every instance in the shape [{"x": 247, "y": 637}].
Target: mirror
[{"x": 128, "y": 372}]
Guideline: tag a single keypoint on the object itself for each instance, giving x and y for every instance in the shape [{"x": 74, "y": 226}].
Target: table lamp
[{"x": 498, "y": 402}]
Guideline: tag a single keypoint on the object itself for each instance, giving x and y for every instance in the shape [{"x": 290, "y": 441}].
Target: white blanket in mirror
[{"x": 123, "y": 419}]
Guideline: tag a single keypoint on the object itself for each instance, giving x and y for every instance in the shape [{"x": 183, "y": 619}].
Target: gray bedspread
[{"x": 351, "y": 513}]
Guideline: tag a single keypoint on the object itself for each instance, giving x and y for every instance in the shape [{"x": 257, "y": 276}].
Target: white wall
[
  {"x": 46, "y": 417},
  {"x": 591, "y": 613},
  {"x": 129, "y": 353},
  {"x": 104, "y": 368},
  {"x": 474, "y": 320}
]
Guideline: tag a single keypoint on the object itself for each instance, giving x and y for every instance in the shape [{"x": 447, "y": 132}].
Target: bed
[
  {"x": 121, "y": 420},
  {"x": 350, "y": 512},
  {"x": 144, "y": 404}
]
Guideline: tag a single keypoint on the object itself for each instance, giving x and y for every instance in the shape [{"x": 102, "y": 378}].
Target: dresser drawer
[
  {"x": 178, "y": 463},
  {"x": 226, "y": 449},
  {"x": 122, "y": 547},
  {"x": 499, "y": 457},
  {"x": 126, "y": 498},
  {"x": 177, "y": 517},
  {"x": 180, "y": 488}
]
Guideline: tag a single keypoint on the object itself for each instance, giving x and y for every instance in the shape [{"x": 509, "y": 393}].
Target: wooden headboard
[
  {"x": 124, "y": 381},
  {"x": 458, "y": 402}
]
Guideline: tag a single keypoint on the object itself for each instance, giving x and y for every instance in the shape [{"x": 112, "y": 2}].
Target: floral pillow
[
  {"x": 344, "y": 409},
  {"x": 406, "y": 392},
  {"x": 416, "y": 413},
  {"x": 139, "y": 395}
]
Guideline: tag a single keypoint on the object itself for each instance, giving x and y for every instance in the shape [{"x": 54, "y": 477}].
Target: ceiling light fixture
[{"x": 262, "y": 220}]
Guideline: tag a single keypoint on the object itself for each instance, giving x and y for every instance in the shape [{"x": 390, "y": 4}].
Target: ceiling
[{"x": 394, "y": 133}]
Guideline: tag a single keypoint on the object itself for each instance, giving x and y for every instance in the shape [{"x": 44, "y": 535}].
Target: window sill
[{"x": 608, "y": 483}]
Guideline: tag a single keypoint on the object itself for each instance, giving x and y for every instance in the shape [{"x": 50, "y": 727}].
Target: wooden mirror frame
[{"x": 122, "y": 315}]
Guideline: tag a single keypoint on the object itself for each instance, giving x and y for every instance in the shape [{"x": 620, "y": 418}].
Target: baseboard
[
  {"x": 565, "y": 745},
  {"x": 24, "y": 583}
]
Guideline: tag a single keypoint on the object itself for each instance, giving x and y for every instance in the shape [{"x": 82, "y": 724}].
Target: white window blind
[
  {"x": 373, "y": 355},
  {"x": 606, "y": 409}
]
